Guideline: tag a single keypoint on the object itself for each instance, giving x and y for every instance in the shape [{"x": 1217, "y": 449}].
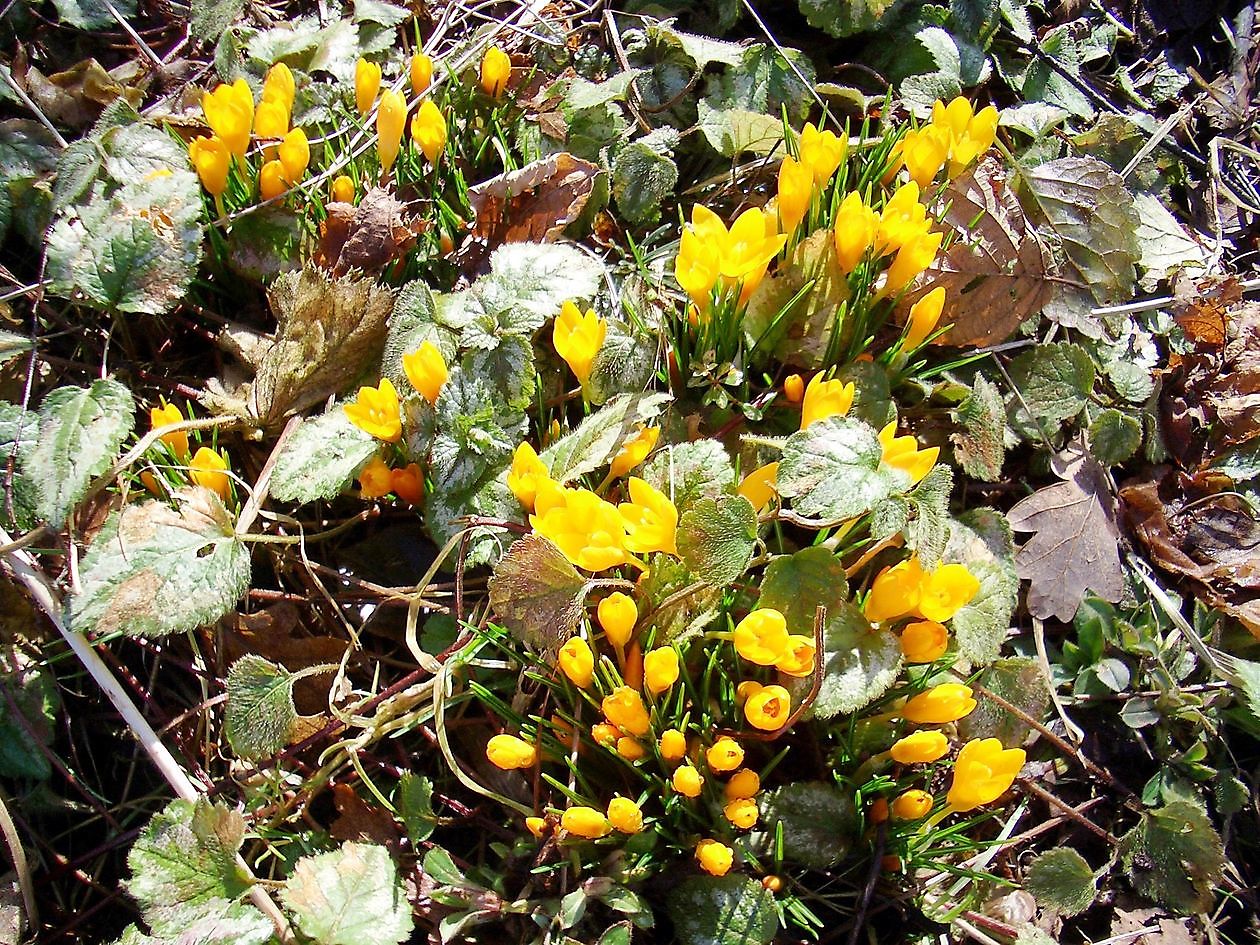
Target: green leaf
[
  {"x": 1175, "y": 857},
  {"x": 734, "y": 131},
  {"x": 817, "y": 820},
  {"x": 1019, "y": 681},
  {"x": 134, "y": 152},
  {"x": 507, "y": 370},
  {"x": 643, "y": 178},
  {"x": 581, "y": 93},
  {"x": 80, "y": 430},
  {"x": 1114, "y": 437},
  {"x": 476, "y": 432},
  {"x": 1166, "y": 245},
  {"x": 688, "y": 472},
  {"x": 832, "y": 470},
  {"x": 211, "y": 18},
  {"x": 440, "y": 868},
  {"x": 1062, "y": 881},
  {"x": 981, "y": 539},
  {"x": 350, "y": 896},
  {"x": 716, "y": 538},
  {"x": 943, "y": 82},
  {"x": 536, "y": 593},
  {"x": 689, "y": 614},
  {"x": 1084, "y": 207},
  {"x": 212, "y": 922},
  {"x": 380, "y": 12},
  {"x": 488, "y": 497},
  {"x": 92, "y": 14},
  {"x": 929, "y": 530},
  {"x": 154, "y": 570},
  {"x": 77, "y": 169},
  {"x": 186, "y": 855},
  {"x": 28, "y": 708},
  {"x": 135, "y": 250},
  {"x": 846, "y": 17},
  {"x": 1055, "y": 379},
  {"x": 723, "y": 910},
  {"x": 18, "y": 430},
  {"x": 795, "y": 585},
  {"x": 320, "y": 458},
  {"x": 598, "y": 438},
  {"x": 624, "y": 364},
  {"x": 979, "y": 443},
  {"x": 414, "y": 801},
  {"x": 260, "y": 712},
  {"x": 859, "y": 663}
]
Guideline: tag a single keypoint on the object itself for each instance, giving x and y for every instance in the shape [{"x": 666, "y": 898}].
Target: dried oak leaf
[
  {"x": 996, "y": 273},
  {"x": 368, "y": 237},
  {"x": 531, "y": 205},
  {"x": 1074, "y": 545}
]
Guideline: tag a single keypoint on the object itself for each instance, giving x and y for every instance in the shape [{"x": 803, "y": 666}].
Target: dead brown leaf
[
  {"x": 357, "y": 820},
  {"x": 533, "y": 204},
  {"x": 75, "y": 96},
  {"x": 997, "y": 272},
  {"x": 368, "y": 237},
  {"x": 1074, "y": 545}
]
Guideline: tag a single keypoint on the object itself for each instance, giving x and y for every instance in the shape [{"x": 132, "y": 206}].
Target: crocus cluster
[
  {"x": 206, "y": 467},
  {"x": 955, "y": 137},
  {"x": 428, "y": 124}
]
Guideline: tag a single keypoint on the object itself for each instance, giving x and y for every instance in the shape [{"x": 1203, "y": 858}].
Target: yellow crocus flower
[
  {"x": 696, "y": 267},
  {"x": 912, "y": 805},
  {"x": 924, "y": 151},
  {"x": 687, "y": 781},
  {"x": 796, "y": 189},
  {"x": 924, "y": 314},
  {"x": 391, "y": 116},
  {"x": 426, "y": 369},
  {"x": 768, "y": 708},
  {"x": 822, "y": 152},
  {"x": 271, "y": 180},
  {"x": 589, "y": 531},
  {"x": 940, "y": 705},
  {"x": 367, "y": 82},
  {"x": 902, "y": 452},
  {"x": 421, "y": 73},
  {"x": 902, "y": 220},
  {"x": 826, "y": 399},
  {"x": 294, "y": 153},
  {"x": 279, "y": 86},
  {"x": 650, "y": 518},
  {"x": 660, "y": 669},
  {"x": 715, "y": 857},
  {"x": 634, "y": 450},
  {"x": 509, "y": 752},
  {"x": 211, "y": 159},
  {"x": 895, "y": 591},
  {"x": 617, "y": 615},
  {"x": 376, "y": 479},
  {"x": 983, "y": 772},
  {"x": 526, "y": 475},
  {"x": 428, "y": 130},
  {"x": 271, "y": 119},
  {"x": 577, "y": 662},
  {"x": 799, "y": 659},
  {"x": 854, "y": 231},
  {"x": 911, "y": 261},
  {"x": 624, "y": 708},
  {"x": 725, "y": 754},
  {"x": 762, "y": 637},
  {"x": 749, "y": 246},
  {"x": 376, "y": 412},
  {"x": 758, "y": 486},
  {"x": 924, "y": 641},
  {"x": 947, "y": 590},
  {"x": 585, "y": 822},
  {"x": 229, "y": 112},
  {"x": 625, "y": 815},
  {"x": 164, "y": 415},
  {"x": 208, "y": 469},
  {"x": 577, "y": 338},
  {"x": 343, "y": 189},
  {"x": 919, "y": 748},
  {"x": 496, "y": 70}
]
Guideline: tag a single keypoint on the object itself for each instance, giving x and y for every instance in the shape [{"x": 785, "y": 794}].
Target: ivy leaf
[
  {"x": 154, "y": 570},
  {"x": 859, "y": 663},
  {"x": 186, "y": 855},
  {"x": 686, "y": 616},
  {"x": 688, "y": 472},
  {"x": 537, "y": 593},
  {"x": 818, "y": 822},
  {"x": 1061, "y": 880},
  {"x": 320, "y": 458},
  {"x": 832, "y": 470},
  {"x": 981, "y": 539},
  {"x": 507, "y": 370},
  {"x": 1175, "y": 857},
  {"x": 598, "y": 438},
  {"x": 1074, "y": 543},
  {"x": 350, "y": 896},
  {"x": 1114, "y": 437},
  {"x": 260, "y": 712},
  {"x": 80, "y": 430},
  {"x": 1055, "y": 379},
  {"x": 1083, "y": 206},
  {"x": 414, "y": 801},
  {"x": 979, "y": 443},
  {"x": 477, "y": 432},
  {"x": 624, "y": 364},
  {"x": 716, "y": 538},
  {"x": 723, "y": 910},
  {"x": 796, "y": 584}
]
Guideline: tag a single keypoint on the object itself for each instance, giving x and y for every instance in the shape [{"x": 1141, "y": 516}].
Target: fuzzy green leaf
[
  {"x": 536, "y": 593},
  {"x": 320, "y": 458},
  {"x": 859, "y": 663},
  {"x": 1055, "y": 379},
  {"x": 818, "y": 821},
  {"x": 1061, "y": 880},
  {"x": 414, "y": 801},
  {"x": 599, "y": 437},
  {"x": 624, "y": 364},
  {"x": 80, "y": 430},
  {"x": 929, "y": 529},
  {"x": 723, "y": 910},
  {"x": 18, "y": 430},
  {"x": 1114, "y": 437},
  {"x": 1175, "y": 856},
  {"x": 846, "y": 17},
  {"x": 643, "y": 178},
  {"x": 350, "y": 896},
  {"x": 795, "y": 585},
  {"x": 832, "y": 470},
  {"x": 716, "y": 538},
  {"x": 154, "y": 570},
  {"x": 1019, "y": 681},
  {"x": 29, "y": 701},
  {"x": 260, "y": 712},
  {"x": 186, "y": 856},
  {"x": 981, "y": 539},
  {"x": 979, "y": 443},
  {"x": 688, "y": 472}
]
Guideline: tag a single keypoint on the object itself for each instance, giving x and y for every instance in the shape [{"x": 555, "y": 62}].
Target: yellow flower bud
[
  {"x": 496, "y": 69},
  {"x": 526, "y": 474},
  {"x": 428, "y": 130},
  {"x": 947, "y": 702},
  {"x": 211, "y": 159},
  {"x": 295, "y": 154},
  {"x": 687, "y": 781},
  {"x": 367, "y": 82},
  {"x": 673, "y": 745},
  {"x": 796, "y": 189},
  {"x": 585, "y": 822},
  {"x": 983, "y": 772},
  {"x": 577, "y": 662},
  {"x": 946, "y": 591},
  {"x": 772, "y": 883},
  {"x": 725, "y": 754},
  {"x": 924, "y": 641},
  {"x": 229, "y": 112},
  {"x": 854, "y": 231},
  {"x": 421, "y": 73},
  {"x": 624, "y": 815},
  {"x": 209, "y": 469},
  {"x": 924, "y": 314},
  {"x": 715, "y": 857},
  {"x": 343, "y": 189},
  {"x": 391, "y": 116},
  {"x": 919, "y": 747},
  {"x": 742, "y": 813},
  {"x": 630, "y": 748},
  {"x": 168, "y": 414},
  {"x": 605, "y": 734},
  {"x": 375, "y": 479},
  {"x": 924, "y": 151},
  {"x": 509, "y": 752},
  {"x": 624, "y": 708},
  {"x": 822, "y": 152},
  {"x": 746, "y": 690},
  {"x": 912, "y": 260},
  {"x": 826, "y": 399},
  {"x": 617, "y": 615},
  {"x": 762, "y": 637},
  {"x": 271, "y": 119},
  {"x": 894, "y": 592},
  {"x": 408, "y": 483},
  {"x": 912, "y": 805},
  {"x": 794, "y": 388},
  {"x": 758, "y": 486},
  {"x": 902, "y": 452},
  {"x": 279, "y": 86},
  {"x": 660, "y": 669},
  {"x": 426, "y": 369},
  {"x": 536, "y": 825},
  {"x": 768, "y": 709},
  {"x": 376, "y": 411},
  {"x": 744, "y": 783},
  {"x": 577, "y": 338},
  {"x": 271, "y": 180},
  {"x": 634, "y": 450}
]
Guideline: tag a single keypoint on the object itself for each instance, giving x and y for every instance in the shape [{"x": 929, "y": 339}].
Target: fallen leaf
[
  {"x": 357, "y": 820},
  {"x": 368, "y": 237},
  {"x": 533, "y": 204},
  {"x": 537, "y": 593},
  {"x": 1074, "y": 546},
  {"x": 996, "y": 273}
]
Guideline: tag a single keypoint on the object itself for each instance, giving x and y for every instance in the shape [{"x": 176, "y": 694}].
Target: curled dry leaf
[
  {"x": 1074, "y": 545},
  {"x": 996, "y": 273},
  {"x": 533, "y": 204},
  {"x": 368, "y": 237}
]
